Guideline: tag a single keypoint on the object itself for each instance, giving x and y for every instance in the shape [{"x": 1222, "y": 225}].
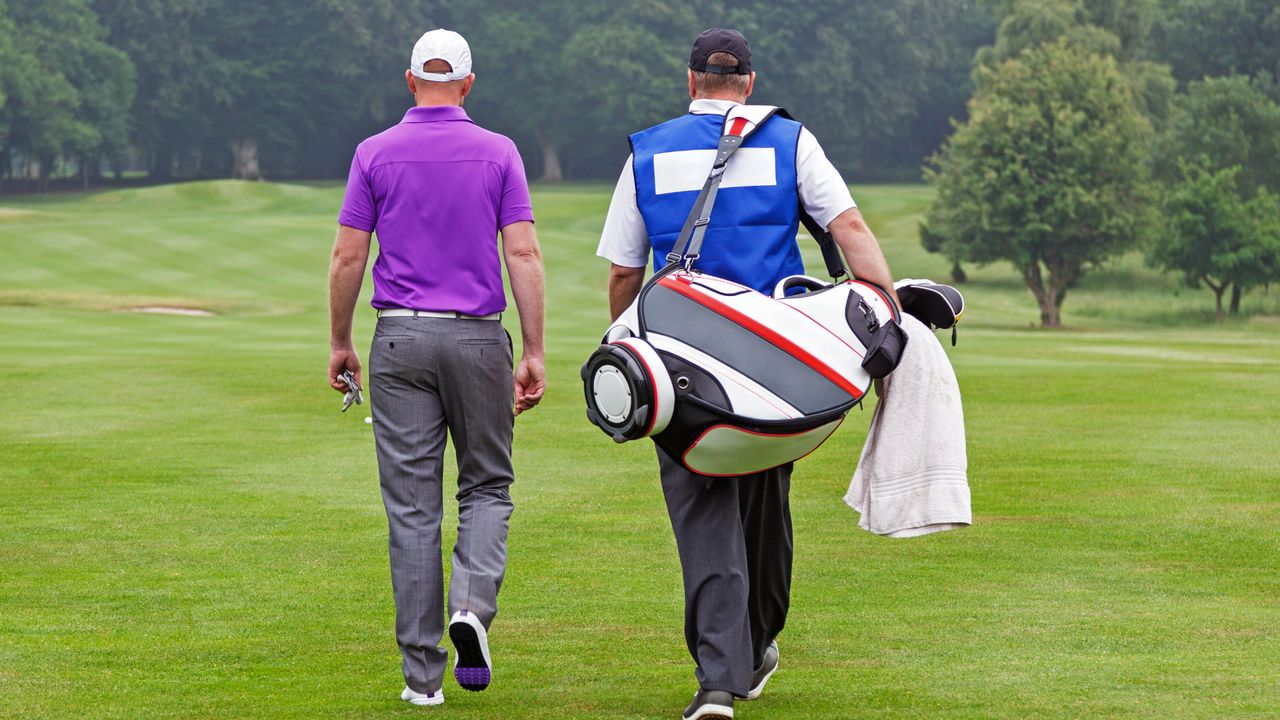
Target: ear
[
  {"x": 751, "y": 85},
  {"x": 693, "y": 86},
  {"x": 409, "y": 78},
  {"x": 467, "y": 83}
]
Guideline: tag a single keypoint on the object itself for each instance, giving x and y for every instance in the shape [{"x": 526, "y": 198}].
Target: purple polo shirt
[{"x": 437, "y": 188}]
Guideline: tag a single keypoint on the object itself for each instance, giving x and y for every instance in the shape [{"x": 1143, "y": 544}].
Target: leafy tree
[
  {"x": 1030, "y": 23},
  {"x": 962, "y": 29},
  {"x": 1049, "y": 173},
  {"x": 860, "y": 73},
  {"x": 1216, "y": 238},
  {"x": 246, "y": 88},
  {"x": 524, "y": 84},
  {"x": 223, "y": 85},
  {"x": 641, "y": 54},
  {"x": 170, "y": 116},
  {"x": 67, "y": 92},
  {"x": 1107, "y": 27},
  {"x": 1229, "y": 121},
  {"x": 1033, "y": 22},
  {"x": 9, "y": 61},
  {"x": 1200, "y": 38},
  {"x": 1231, "y": 129}
]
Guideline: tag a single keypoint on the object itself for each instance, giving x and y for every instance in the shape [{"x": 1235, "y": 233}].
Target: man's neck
[
  {"x": 421, "y": 101},
  {"x": 739, "y": 99}
]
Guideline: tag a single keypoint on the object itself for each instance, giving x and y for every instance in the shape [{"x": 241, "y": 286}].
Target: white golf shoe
[
  {"x": 471, "y": 664},
  {"x": 412, "y": 696}
]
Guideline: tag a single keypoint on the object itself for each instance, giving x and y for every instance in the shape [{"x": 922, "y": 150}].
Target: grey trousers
[
  {"x": 735, "y": 543},
  {"x": 429, "y": 375}
]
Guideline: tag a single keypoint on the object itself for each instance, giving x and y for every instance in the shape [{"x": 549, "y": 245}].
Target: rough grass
[{"x": 189, "y": 528}]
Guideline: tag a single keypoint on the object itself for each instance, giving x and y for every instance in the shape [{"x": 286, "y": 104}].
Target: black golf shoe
[
  {"x": 766, "y": 670},
  {"x": 710, "y": 705}
]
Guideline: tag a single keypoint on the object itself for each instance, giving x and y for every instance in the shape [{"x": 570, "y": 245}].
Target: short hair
[{"x": 706, "y": 83}]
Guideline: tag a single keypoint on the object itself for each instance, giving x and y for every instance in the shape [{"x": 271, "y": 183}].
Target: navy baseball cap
[{"x": 714, "y": 40}]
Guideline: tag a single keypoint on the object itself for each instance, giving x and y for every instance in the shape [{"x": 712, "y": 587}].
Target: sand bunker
[{"x": 169, "y": 310}]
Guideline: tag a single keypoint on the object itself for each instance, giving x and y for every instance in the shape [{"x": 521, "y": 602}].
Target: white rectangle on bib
[{"x": 686, "y": 170}]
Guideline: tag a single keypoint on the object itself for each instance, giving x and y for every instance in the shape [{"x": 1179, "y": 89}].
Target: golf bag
[{"x": 730, "y": 381}]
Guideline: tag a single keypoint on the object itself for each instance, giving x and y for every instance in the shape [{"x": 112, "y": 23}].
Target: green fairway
[{"x": 190, "y": 529}]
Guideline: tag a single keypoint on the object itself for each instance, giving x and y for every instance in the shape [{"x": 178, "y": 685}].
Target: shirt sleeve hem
[
  {"x": 831, "y": 215},
  {"x": 355, "y": 222},
  {"x": 622, "y": 260},
  {"x": 515, "y": 217}
]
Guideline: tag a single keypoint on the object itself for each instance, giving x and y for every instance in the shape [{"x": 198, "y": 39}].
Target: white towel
[{"x": 912, "y": 476}]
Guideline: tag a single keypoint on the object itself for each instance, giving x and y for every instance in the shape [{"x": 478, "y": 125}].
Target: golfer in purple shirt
[{"x": 438, "y": 189}]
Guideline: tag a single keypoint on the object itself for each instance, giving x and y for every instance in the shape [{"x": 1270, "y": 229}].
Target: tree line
[
  {"x": 286, "y": 88},
  {"x": 1100, "y": 126},
  {"x": 1059, "y": 133}
]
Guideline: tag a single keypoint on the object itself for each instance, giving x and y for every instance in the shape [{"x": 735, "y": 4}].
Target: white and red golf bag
[{"x": 730, "y": 381}]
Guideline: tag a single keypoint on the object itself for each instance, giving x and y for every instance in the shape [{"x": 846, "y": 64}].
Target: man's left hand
[{"x": 530, "y": 383}]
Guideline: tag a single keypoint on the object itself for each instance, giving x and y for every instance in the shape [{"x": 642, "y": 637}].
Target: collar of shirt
[
  {"x": 435, "y": 113},
  {"x": 706, "y": 106}
]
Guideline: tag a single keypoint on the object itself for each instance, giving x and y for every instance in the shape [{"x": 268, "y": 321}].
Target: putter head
[{"x": 353, "y": 396}]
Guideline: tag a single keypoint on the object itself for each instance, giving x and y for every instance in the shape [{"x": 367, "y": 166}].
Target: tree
[
  {"x": 67, "y": 93},
  {"x": 637, "y": 57},
  {"x": 528, "y": 87},
  {"x": 1107, "y": 27},
  {"x": 861, "y": 73},
  {"x": 247, "y": 89},
  {"x": 1217, "y": 239},
  {"x": 1033, "y": 22},
  {"x": 224, "y": 85},
  {"x": 170, "y": 117},
  {"x": 1049, "y": 173},
  {"x": 1230, "y": 128},
  {"x": 1200, "y": 38},
  {"x": 9, "y": 60},
  {"x": 1229, "y": 121}
]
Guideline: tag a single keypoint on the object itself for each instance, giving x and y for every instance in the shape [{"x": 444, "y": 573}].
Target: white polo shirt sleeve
[
  {"x": 624, "y": 240},
  {"x": 822, "y": 191}
]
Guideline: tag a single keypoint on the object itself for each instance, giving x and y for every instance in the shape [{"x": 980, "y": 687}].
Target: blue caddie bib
[{"x": 752, "y": 236}]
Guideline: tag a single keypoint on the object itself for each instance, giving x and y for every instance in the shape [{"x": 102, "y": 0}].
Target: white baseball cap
[{"x": 445, "y": 45}]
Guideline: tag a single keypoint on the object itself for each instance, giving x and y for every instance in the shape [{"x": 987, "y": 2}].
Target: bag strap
[
  {"x": 734, "y": 132},
  {"x": 826, "y": 243},
  {"x": 732, "y": 135}
]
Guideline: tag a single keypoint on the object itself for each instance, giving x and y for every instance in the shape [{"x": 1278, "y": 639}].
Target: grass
[{"x": 190, "y": 529}]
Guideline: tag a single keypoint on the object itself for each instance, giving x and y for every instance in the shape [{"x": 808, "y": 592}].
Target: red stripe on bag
[
  {"x": 783, "y": 343},
  {"x": 738, "y": 125}
]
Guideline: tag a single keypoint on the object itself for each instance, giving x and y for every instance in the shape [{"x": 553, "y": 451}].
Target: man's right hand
[
  {"x": 341, "y": 359},
  {"x": 530, "y": 382}
]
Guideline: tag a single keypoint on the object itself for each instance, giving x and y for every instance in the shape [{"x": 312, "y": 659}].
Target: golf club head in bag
[{"x": 937, "y": 306}]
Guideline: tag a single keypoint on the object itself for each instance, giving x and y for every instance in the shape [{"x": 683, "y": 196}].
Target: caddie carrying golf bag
[{"x": 728, "y": 380}]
